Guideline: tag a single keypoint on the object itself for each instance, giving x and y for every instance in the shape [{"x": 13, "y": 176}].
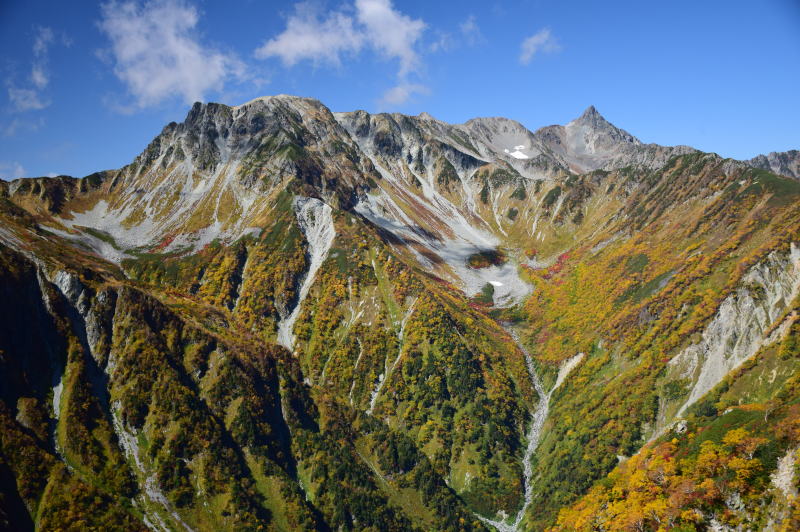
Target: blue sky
[{"x": 87, "y": 86}]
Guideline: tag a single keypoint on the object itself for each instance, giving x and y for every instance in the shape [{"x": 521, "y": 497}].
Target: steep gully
[
  {"x": 538, "y": 418},
  {"x": 85, "y": 314},
  {"x": 316, "y": 222}
]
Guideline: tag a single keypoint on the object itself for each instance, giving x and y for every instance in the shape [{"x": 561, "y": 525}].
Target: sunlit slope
[{"x": 312, "y": 320}]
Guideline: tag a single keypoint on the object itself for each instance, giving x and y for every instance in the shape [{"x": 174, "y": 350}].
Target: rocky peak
[
  {"x": 591, "y": 142},
  {"x": 785, "y": 163},
  {"x": 593, "y": 126},
  {"x": 214, "y": 133},
  {"x": 591, "y": 115}
]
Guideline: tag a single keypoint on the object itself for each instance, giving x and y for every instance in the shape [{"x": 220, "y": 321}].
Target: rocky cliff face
[
  {"x": 782, "y": 163},
  {"x": 746, "y": 321},
  {"x": 215, "y": 176}
]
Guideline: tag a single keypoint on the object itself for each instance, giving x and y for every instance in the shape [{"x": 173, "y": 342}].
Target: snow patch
[
  {"x": 457, "y": 240},
  {"x": 9, "y": 238},
  {"x": 58, "y": 390},
  {"x": 161, "y": 204},
  {"x": 98, "y": 246},
  {"x": 604, "y": 243}
]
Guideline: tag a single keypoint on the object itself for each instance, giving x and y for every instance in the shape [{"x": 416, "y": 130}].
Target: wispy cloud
[
  {"x": 39, "y": 74},
  {"x": 326, "y": 38},
  {"x": 18, "y": 125},
  {"x": 157, "y": 52},
  {"x": 400, "y": 94},
  {"x": 29, "y": 96},
  {"x": 470, "y": 30},
  {"x": 469, "y": 34},
  {"x": 444, "y": 42},
  {"x": 11, "y": 170},
  {"x": 540, "y": 42},
  {"x": 26, "y": 99}
]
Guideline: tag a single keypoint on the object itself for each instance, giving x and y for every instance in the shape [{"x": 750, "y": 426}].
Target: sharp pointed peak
[
  {"x": 591, "y": 114},
  {"x": 592, "y": 121}
]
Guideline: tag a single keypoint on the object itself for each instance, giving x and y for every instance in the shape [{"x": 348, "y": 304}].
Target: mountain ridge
[
  {"x": 785, "y": 163},
  {"x": 220, "y": 164},
  {"x": 589, "y": 116},
  {"x": 493, "y": 328}
]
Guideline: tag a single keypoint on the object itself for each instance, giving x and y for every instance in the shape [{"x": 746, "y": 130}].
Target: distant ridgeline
[{"x": 282, "y": 318}]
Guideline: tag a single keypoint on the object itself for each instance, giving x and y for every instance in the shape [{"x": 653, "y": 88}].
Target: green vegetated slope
[
  {"x": 732, "y": 461},
  {"x": 633, "y": 305},
  {"x": 125, "y": 406},
  {"x": 152, "y": 392}
]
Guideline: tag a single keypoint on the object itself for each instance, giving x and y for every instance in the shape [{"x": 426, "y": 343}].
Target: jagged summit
[
  {"x": 214, "y": 176},
  {"x": 591, "y": 142},
  {"x": 587, "y": 143},
  {"x": 593, "y": 120},
  {"x": 590, "y": 113},
  {"x": 592, "y": 123},
  {"x": 784, "y": 163}
]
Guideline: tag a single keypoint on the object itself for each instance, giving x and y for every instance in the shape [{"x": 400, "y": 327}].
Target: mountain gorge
[{"x": 278, "y": 317}]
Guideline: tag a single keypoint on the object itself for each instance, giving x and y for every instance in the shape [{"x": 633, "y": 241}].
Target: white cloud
[
  {"x": 468, "y": 34},
  {"x": 30, "y": 98},
  {"x": 158, "y": 55},
  {"x": 391, "y": 32},
  {"x": 400, "y": 94},
  {"x": 44, "y": 38},
  {"x": 470, "y": 30},
  {"x": 367, "y": 24},
  {"x": 39, "y": 74},
  {"x": 310, "y": 36},
  {"x": 10, "y": 129},
  {"x": 541, "y": 41},
  {"x": 11, "y": 170}
]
